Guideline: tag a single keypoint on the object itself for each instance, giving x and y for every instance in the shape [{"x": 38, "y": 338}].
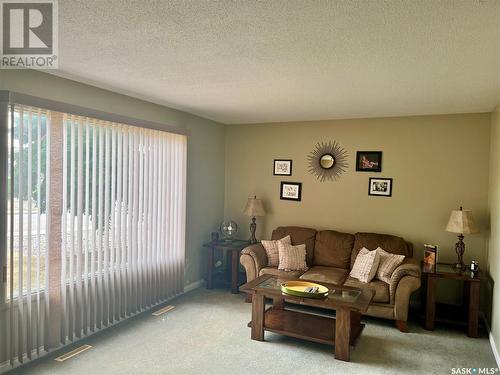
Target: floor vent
[
  {"x": 73, "y": 353},
  {"x": 163, "y": 310}
]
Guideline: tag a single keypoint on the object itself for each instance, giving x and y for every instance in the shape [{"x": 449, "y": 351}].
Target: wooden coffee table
[{"x": 342, "y": 331}]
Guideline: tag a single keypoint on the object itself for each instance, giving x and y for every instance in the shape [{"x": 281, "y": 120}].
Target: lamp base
[
  {"x": 460, "y": 266},
  {"x": 253, "y": 228},
  {"x": 460, "y": 250}
]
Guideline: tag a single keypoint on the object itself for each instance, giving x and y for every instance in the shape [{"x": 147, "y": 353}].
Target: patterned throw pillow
[
  {"x": 292, "y": 258},
  {"x": 388, "y": 263},
  {"x": 272, "y": 251},
  {"x": 366, "y": 265}
]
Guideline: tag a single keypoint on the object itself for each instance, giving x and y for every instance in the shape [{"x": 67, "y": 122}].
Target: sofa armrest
[
  {"x": 409, "y": 267},
  {"x": 253, "y": 258},
  {"x": 406, "y": 286}
]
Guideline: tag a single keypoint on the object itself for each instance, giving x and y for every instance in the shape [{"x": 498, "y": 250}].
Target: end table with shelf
[
  {"x": 468, "y": 314},
  {"x": 233, "y": 249}
]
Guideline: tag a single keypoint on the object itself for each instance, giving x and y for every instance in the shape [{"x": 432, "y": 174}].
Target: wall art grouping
[{"x": 327, "y": 162}]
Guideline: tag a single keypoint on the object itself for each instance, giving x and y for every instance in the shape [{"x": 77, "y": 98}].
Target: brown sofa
[{"x": 330, "y": 255}]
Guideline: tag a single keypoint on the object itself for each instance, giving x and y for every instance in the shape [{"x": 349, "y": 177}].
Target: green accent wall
[{"x": 205, "y": 169}]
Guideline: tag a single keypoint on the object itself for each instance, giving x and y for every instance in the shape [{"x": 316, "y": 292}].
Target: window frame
[
  {"x": 8, "y": 99},
  {"x": 4, "y": 149}
]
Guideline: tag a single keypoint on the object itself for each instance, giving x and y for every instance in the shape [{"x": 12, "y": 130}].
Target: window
[
  {"x": 96, "y": 224},
  {"x": 27, "y": 206}
]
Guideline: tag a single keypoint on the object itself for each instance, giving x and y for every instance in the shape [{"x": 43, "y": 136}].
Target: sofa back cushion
[
  {"x": 389, "y": 243},
  {"x": 333, "y": 249},
  {"x": 299, "y": 236}
]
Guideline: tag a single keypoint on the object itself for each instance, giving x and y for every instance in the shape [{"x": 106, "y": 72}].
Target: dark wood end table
[
  {"x": 470, "y": 312},
  {"x": 233, "y": 248},
  {"x": 341, "y": 331}
]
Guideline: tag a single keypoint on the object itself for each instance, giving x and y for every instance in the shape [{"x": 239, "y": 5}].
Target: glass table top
[
  {"x": 444, "y": 268},
  {"x": 450, "y": 271},
  {"x": 337, "y": 294}
]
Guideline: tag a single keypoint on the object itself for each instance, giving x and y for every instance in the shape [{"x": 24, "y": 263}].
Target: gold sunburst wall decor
[{"x": 327, "y": 161}]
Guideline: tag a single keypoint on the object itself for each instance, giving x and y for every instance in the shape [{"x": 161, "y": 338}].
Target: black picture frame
[
  {"x": 289, "y": 161},
  {"x": 299, "y": 187},
  {"x": 372, "y": 156},
  {"x": 381, "y": 193}
]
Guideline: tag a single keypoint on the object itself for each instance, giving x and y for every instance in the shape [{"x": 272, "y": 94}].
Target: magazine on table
[{"x": 430, "y": 257}]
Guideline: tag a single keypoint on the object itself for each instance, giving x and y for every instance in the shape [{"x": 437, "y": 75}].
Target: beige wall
[
  {"x": 437, "y": 162},
  {"x": 494, "y": 244},
  {"x": 205, "y": 174}
]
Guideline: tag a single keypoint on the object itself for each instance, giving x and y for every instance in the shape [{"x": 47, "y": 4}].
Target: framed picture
[
  {"x": 369, "y": 161},
  {"x": 291, "y": 191},
  {"x": 430, "y": 258},
  {"x": 282, "y": 167},
  {"x": 380, "y": 186}
]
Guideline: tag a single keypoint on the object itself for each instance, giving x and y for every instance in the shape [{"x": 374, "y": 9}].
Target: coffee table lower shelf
[{"x": 302, "y": 325}]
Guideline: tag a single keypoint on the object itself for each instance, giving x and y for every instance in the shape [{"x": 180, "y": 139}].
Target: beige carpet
[{"x": 207, "y": 334}]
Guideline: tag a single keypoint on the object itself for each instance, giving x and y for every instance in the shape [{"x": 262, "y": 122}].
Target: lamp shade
[
  {"x": 254, "y": 207},
  {"x": 461, "y": 221}
]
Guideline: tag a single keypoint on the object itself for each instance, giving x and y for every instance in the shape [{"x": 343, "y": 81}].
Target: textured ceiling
[{"x": 288, "y": 60}]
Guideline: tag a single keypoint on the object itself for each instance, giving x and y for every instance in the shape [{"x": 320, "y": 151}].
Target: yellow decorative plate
[{"x": 298, "y": 288}]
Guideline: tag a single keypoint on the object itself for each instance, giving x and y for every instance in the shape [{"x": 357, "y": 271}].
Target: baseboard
[
  {"x": 494, "y": 349},
  {"x": 492, "y": 340},
  {"x": 194, "y": 285}
]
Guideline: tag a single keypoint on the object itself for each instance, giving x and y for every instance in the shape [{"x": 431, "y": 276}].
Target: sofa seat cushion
[
  {"x": 299, "y": 236},
  {"x": 391, "y": 244},
  {"x": 380, "y": 288},
  {"x": 280, "y": 273},
  {"x": 330, "y": 275},
  {"x": 333, "y": 249}
]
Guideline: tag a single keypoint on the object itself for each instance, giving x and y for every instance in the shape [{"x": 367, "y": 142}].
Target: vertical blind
[
  {"x": 124, "y": 198},
  {"x": 27, "y": 233},
  {"x": 122, "y": 228}
]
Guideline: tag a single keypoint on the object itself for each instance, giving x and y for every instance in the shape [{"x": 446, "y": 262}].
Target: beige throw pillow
[
  {"x": 272, "y": 251},
  {"x": 366, "y": 265},
  {"x": 292, "y": 258},
  {"x": 388, "y": 263}
]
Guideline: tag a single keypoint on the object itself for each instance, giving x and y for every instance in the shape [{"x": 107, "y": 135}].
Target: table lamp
[
  {"x": 461, "y": 222},
  {"x": 254, "y": 208}
]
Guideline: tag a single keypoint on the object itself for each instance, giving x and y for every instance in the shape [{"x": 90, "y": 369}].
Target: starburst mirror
[{"x": 327, "y": 161}]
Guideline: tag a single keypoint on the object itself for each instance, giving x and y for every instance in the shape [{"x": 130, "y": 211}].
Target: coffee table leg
[
  {"x": 342, "y": 334},
  {"x": 258, "y": 306},
  {"x": 355, "y": 324},
  {"x": 278, "y": 303}
]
